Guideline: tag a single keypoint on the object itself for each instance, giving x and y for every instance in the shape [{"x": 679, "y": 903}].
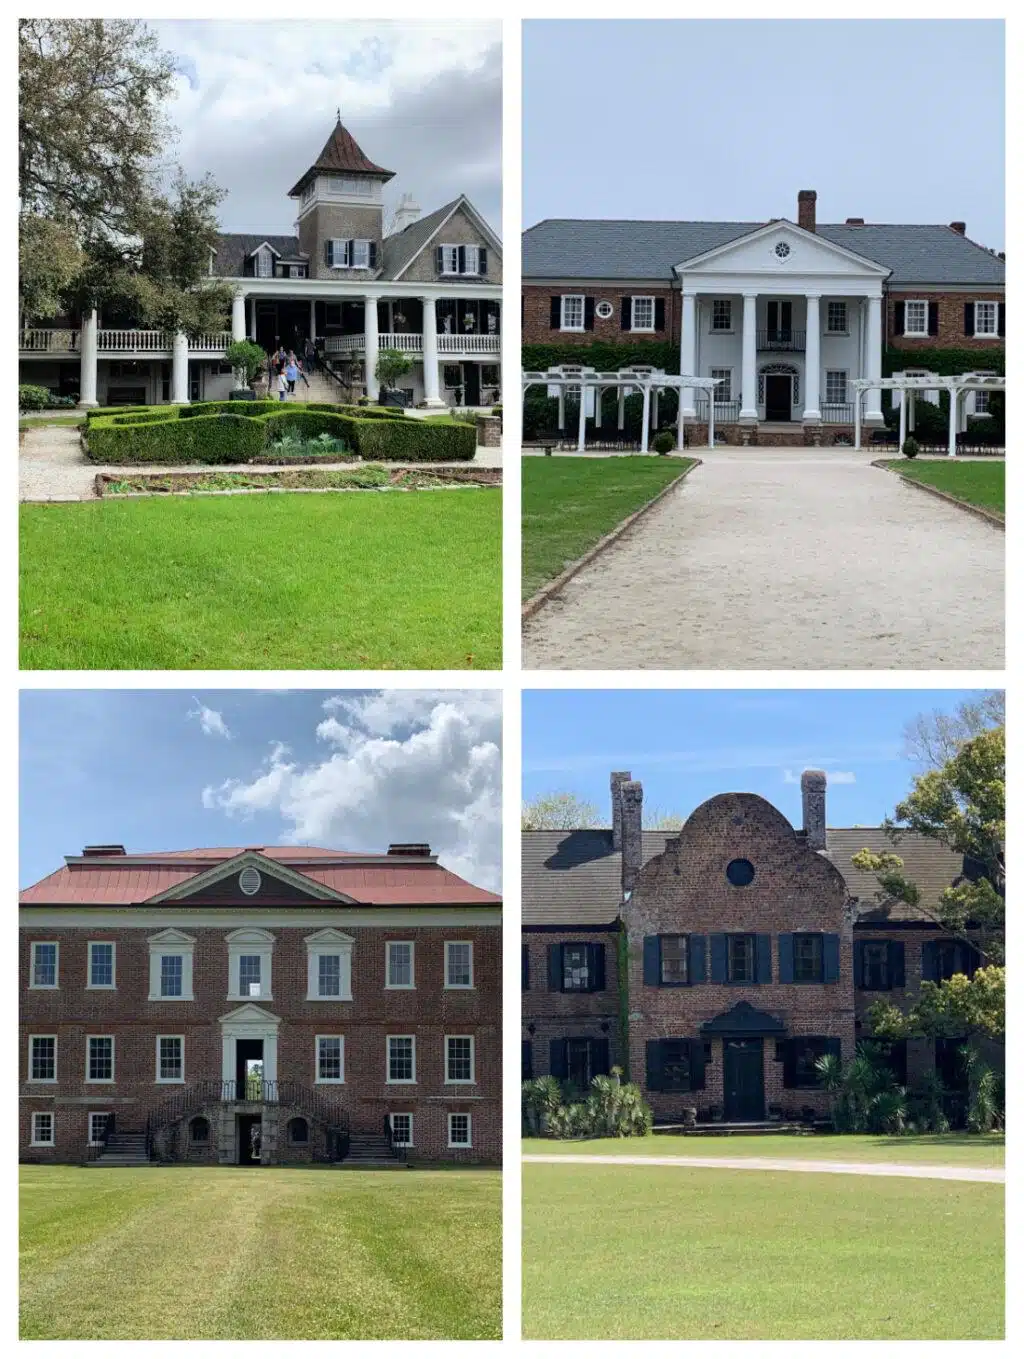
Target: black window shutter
[
  {"x": 719, "y": 967},
  {"x": 481, "y": 258},
  {"x": 596, "y": 966},
  {"x": 588, "y": 313},
  {"x": 599, "y": 1065},
  {"x": 834, "y": 1048},
  {"x": 933, "y": 318},
  {"x": 930, "y": 960},
  {"x": 789, "y": 1063},
  {"x": 626, "y": 313},
  {"x": 373, "y": 254},
  {"x": 899, "y": 314},
  {"x": 858, "y": 963},
  {"x": 439, "y": 259},
  {"x": 1002, "y": 320},
  {"x": 696, "y": 1064},
  {"x": 785, "y": 957},
  {"x": 328, "y": 253},
  {"x": 652, "y": 960},
  {"x": 763, "y": 970},
  {"x": 659, "y": 313},
  {"x": 968, "y": 318},
  {"x": 527, "y": 1060},
  {"x": 556, "y": 313},
  {"x": 830, "y": 957},
  {"x": 554, "y": 967},
  {"x": 559, "y": 1058},
  {"x": 654, "y": 1064},
  {"x": 897, "y": 970},
  {"x": 772, "y": 315},
  {"x": 460, "y": 259},
  {"x": 698, "y": 972},
  {"x": 526, "y": 967}
]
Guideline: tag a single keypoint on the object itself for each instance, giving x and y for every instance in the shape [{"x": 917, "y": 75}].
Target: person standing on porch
[{"x": 282, "y": 385}]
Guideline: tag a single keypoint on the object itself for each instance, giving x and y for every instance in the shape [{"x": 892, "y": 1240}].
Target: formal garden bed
[{"x": 359, "y": 477}]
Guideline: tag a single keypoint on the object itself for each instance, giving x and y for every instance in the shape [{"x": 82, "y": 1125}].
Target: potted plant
[
  {"x": 689, "y": 1117},
  {"x": 248, "y": 361},
  {"x": 391, "y": 365}
]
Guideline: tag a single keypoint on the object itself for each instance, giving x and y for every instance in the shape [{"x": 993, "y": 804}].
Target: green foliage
[
  {"x": 247, "y": 357},
  {"x": 207, "y": 439},
  {"x": 664, "y": 442},
  {"x": 983, "y": 1111},
  {"x": 911, "y": 448},
  {"x": 558, "y": 811},
  {"x": 945, "y": 362},
  {"x": 540, "y": 1099},
  {"x": 948, "y": 1009},
  {"x": 292, "y": 446},
  {"x": 49, "y": 260},
  {"x": 864, "y": 1094},
  {"x": 612, "y": 1108},
  {"x": 32, "y": 398},
  {"x": 603, "y": 355},
  {"x": 392, "y": 364},
  {"x": 413, "y": 441}
]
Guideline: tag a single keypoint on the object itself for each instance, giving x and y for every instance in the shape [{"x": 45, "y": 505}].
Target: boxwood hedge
[{"x": 209, "y": 439}]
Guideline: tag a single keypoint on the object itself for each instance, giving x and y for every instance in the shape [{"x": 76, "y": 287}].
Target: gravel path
[
  {"x": 52, "y": 466},
  {"x": 913, "y": 1172},
  {"x": 785, "y": 559}
]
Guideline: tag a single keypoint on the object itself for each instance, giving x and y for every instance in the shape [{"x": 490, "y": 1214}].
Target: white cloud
[
  {"x": 399, "y": 765},
  {"x": 211, "y": 722},
  {"x": 832, "y": 775}
]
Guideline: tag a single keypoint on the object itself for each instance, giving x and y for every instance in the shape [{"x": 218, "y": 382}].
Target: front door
[
  {"x": 249, "y": 1068},
  {"x": 778, "y": 393},
  {"x": 743, "y": 1072},
  {"x": 250, "y": 1137},
  {"x": 472, "y": 372}
]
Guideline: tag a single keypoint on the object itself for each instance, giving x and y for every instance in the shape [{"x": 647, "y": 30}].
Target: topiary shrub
[
  {"x": 911, "y": 447},
  {"x": 664, "y": 442},
  {"x": 32, "y": 398},
  {"x": 413, "y": 441},
  {"x": 205, "y": 439}
]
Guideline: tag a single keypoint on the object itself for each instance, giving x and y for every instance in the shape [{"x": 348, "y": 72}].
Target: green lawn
[
  {"x": 189, "y": 1253},
  {"x": 569, "y": 503},
  {"x": 396, "y": 581},
  {"x": 979, "y": 483},
  {"x": 45, "y": 421},
  {"x": 645, "y": 1253},
  {"x": 951, "y": 1149}
]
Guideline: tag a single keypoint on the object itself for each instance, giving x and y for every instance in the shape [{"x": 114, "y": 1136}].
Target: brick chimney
[
  {"x": 812, "y": 791},
  {"x": 617, "y": 780},
  {"x": 855, "y": 221},
  {"x": 631, "y": 796},
  {"x": 959, "y": 227},
  {"x": 103, "y": 852},
  {"x": 806, "y": 211}
]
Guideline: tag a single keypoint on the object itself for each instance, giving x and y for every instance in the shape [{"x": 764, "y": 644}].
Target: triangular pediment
[
  {"x": 253, "y": 1015},
  {"x": 168, "y": 937},
  {"x": 330, "y": 936},
  {"x": 270, "y": 873},
  {"x": 743, "y": 1019},
  {"x": 780, "y": 248}
]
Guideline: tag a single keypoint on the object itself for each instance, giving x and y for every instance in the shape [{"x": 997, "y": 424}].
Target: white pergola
[
  {"x": 956, "y": 386},
  {"x": 648, "y": 381}
]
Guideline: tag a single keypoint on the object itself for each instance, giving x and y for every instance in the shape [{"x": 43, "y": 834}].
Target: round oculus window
[
  {"x": 782, "y": 250},
  {"x": 249, "y": 881},
  {"x": 740, "y": 872},
  {"x": 604, "y": 310}
]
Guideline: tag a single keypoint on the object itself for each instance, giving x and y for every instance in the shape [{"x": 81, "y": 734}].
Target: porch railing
[
  {"x": 837, "y": 412},
  {"x": 409, "y": 342},
  {"x": 56, "y": 341},
  {"x": 469, "y": 344},
  {"x": 782, "y": 339},
  {"x": 253, "y": 1090},
  {"x": 726, "y": 412},
  {"x": 41, "y": 341}
]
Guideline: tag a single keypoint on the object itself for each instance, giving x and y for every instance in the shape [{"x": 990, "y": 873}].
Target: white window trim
[
  {"x": 32, "y": 984},
  {"x": 846, "y": 387},
  {"x": 846, "y": 328},
  {"x": 169, "y": 943},
  {"x": 574, "y": 330},
  {"x": 475, "y": 271},
  {"x": 469, "y": 1129},
  {"x": 410, "y": 985},
  {"x": 43, "y": 1080},
  {"x": 387, "y": 1059},
  {"x": 101, "y": 1080},
  {"x": 329, "y": 1080},
  {"x": 472, "y": 1059},
  {"x": 994, "y": 332},
  {"x": 445, "y": 271},
  {"x": 730, "y": 329},
  {"x": 250, "y": 943},
  {"x": 460, "y": 986},
  {"x": 102, "y": 986},
  {"x": 329, "y": 943},
  {"x": 721, "y": 400},
  {"x": 641, "y": 297},
  {"x": 170, "y": 1080},
  {"x": 401, "y": 1113},
  {"x": 35, "y": 1141},
  {"x": 916, "y": 302},
  {"x": 264, "y": 257},
  {"x": 94, "y": 1113}
]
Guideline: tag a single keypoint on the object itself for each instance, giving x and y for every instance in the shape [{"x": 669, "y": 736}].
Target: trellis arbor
[
  {"x": 572, "y": 380},
  {"x": 955, "y": 386}
]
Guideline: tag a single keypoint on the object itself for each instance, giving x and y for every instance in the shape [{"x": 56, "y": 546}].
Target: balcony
[
  {"x": 130, "y": 343},
  {"x": 784, "y": 341},
  {"x": 411, "y": 343}
]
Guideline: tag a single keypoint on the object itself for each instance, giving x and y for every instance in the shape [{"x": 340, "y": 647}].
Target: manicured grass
[
  {"x": 264, "y": 582},
  {"x": 952, "y": 1149},
  {"x": 189, "y": 1253},
  {"x": 44, "y": 421},
  {"x": 569, "y": 503},
  {"x": 623, "y": 1252},
  {"x": 978, "y": 483}
]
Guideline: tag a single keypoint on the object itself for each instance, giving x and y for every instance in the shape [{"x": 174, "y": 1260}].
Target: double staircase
[{"x": 123, "y": 1149}]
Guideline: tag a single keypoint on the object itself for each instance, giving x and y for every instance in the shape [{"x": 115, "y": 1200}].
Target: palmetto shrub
[{"x": 612, "y": 1108}]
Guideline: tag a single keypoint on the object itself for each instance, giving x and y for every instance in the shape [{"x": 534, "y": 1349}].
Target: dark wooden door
[
  {"x": 743, "y": 1072},
  {"x": 472, "y": 373},
  {"x": 778, "y": 390}
]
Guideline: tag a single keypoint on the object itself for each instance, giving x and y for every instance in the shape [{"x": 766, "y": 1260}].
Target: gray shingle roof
[
  {"x": 233, "y": 248},
  {"x": 566, "y": 248},
  {"x": 402, "y": 248},
  {"x": 574, "y": 877}
]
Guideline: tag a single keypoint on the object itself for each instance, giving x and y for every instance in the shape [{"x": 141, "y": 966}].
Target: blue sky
[
  {"x": 686, "y": 745},
  {"x": 174, "y": 769},
  {"x": 724, "y": 120}
]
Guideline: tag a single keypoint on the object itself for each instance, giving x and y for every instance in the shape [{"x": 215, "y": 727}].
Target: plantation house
[
  {"x": 718, "y": 963},
  {"x": 430, "y": 288},
  {"x": 260, "y": 1005},
  {"x": 783, "y": 315}
]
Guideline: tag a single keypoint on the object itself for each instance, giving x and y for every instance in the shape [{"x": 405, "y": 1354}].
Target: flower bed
[{"x": 366, "y": 477}]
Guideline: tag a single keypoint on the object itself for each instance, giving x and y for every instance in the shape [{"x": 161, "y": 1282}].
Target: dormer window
[{"x": 264, "y": 263}]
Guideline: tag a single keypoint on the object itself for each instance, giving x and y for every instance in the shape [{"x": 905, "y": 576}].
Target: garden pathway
[
  {"x": 914, "y": 1172},
  {"x": 52, "y": 466},
  {"x": 784, "y": 558}
]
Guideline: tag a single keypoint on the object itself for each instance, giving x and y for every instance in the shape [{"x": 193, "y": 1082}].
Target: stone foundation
[{"x": 811, "y": 436}]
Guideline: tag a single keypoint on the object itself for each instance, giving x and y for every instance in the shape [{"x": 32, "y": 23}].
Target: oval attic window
[
  {"x": 249, "y": 881},
  {"x": 782, "y": 250},
  {"x": 740, "y": 872}
]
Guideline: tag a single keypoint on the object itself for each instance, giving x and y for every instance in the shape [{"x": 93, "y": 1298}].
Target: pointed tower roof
[{"x": 342, "y": 154}]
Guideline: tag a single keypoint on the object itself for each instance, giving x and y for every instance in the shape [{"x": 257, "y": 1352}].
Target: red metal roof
[{"x": 341, "y": 153}]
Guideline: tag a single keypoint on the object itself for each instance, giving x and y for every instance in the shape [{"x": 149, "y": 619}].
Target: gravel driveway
[{"x": 788, "y": 558}]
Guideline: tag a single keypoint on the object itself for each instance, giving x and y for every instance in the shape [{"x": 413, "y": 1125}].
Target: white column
[
  {"x": 654, "y": 409},
  {"x": 581, "y": 431},
  {"x": 812, "y": 363},
  {"x": 561, "y": 407},
  {"x": 903, "y": 419},
  {"x": 622, "y": 408},
  {"x": 270, "y": 1057},
  {"x": 238, "y": 316},
  {"x": 679, "y": 423},
  {"x": 598, "y": 392},
  {"x": 312, "y": 319},
  {"x": 873, "y": 365},
  {"x": 954, "y": 396},
  {"x": 749, "y": 369},
  {"x": 711, "y": 418},
  {"x": 252, "y": 319},
  {"x": 911, "y": 397},
  {"x": 179, "y": 370},
  {"x": 688, "y": 346},
  {"x": 431, "y": 380},
  {"x": 645, "y": 427},
  {"x": 227, "y": 1060},
  {"x": 857, "y": 394},
  {"x": 87, "y": 376},
  {"x": 372, "y": 346}
]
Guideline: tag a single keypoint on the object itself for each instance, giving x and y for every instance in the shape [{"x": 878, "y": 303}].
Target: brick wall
[
  {"x": 537, "y": 315},
  {"x": 950, "y": 322},
  {"x": 557, "y": 1014}
]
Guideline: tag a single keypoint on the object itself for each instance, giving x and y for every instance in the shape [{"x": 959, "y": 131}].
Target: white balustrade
[
  {"x": 133, "y": 341},
  {"x": 468, "y": 344},
  {"x": 37, "y": 341}
]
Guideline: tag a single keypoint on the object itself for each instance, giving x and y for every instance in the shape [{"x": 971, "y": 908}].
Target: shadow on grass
[{"x": 942, "y": 1140}]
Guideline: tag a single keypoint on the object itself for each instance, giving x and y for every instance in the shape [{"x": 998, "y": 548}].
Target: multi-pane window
[
  {"x": 674, "y": 959},
  {"x": 986, "y": 318},
  {"x": 643, "y": 313},
  {"x": 471, "y": 259},
  {"x": 42, "y": 1130},
  {"x": 101, "y": 965},
  {"x": 740, "y": 957},
  {"x": 575, "y": 967},
  {"x": 915, "y": 318},
  {"x": 723, "y": 392},
  {"x": 171, "y": 971},
  {"x": 170, "y": 1058},
  {"x": 400, "y": 964},
  {"x": 804, "y": 1073},
  {"x": 330, "y": 1057},
  {"x": 458, "y": 964},
  {"x": 808, "y": 964},
  {"x": 572, "y": 311},
  {"x": 981, "y": 403},
  {"x": 721, "y": 313},
  {"x": 99, "y": 1065},
  {"x": 264, "y": 264},
  {"x": 460, "y": 1130},
  {"x": 401, "y": 1058},
  {"x": 458, "y": 1061},
  {"x": 449, "y": 259},
  {"x": 97, "y": 1128},
  {"x": 675, "y": 1064},
  {"x": 954, "y": 956},
  {"x": 835, "y": 386},
  {"x": 875, "y": 965},
  {"x": 44, "y": 965},
  {"x": 329, "y": 974},
  {"x": 401, "y": 1129},
  {"x": 360, "y": 254},
  {"x": 249, "y": 968},
  {"x": 835, "y": 318},
  {"x": 42, "y": 1062}
]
